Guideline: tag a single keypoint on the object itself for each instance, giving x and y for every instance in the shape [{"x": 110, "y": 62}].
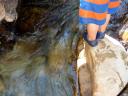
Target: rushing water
[{"x": 40, "y": 62}]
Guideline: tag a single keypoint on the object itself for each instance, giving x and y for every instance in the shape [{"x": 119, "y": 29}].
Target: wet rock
[
  {"x": 122, "y": 10},
  {"x": 7, "y": 37},
  {"x": 28, "y": 19},
  {"x": 40, "y": 64}
]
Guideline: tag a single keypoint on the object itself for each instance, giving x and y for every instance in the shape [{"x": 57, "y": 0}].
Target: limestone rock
[
  {"x": 2, "y": 12},
  {"x": 8, "y": 10},
  {"x": 124, "y": 32},
  {"x": 108, "y": 67}
]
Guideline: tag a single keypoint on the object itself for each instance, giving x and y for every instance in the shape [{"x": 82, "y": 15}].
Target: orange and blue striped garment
[{"x": 95, "y": 11}]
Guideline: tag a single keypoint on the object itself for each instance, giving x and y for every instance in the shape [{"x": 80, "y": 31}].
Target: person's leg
[
  {"x": 92, "y": 30},
  {"x": 90, "y": 35},
  {"x": 104, "y": 26}
]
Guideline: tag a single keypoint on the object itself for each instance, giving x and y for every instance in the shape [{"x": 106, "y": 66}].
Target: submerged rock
[
  {"x": 40, "y": 63},
  {"x": 29, "y": 71}
]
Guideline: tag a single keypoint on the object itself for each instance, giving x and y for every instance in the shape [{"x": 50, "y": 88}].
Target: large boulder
[{"x": 103, "y": 69}]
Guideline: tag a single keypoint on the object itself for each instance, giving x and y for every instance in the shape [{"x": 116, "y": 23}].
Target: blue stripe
[
  {"x": 113, "y": 0},
  {"x": 90, "y": 20},
  {"x": 93, "y": 7},
  {"x": 112, "y": 10}
]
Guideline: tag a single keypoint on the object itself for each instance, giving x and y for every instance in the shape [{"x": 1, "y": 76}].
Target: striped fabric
[{"x": 94, "y": 11}]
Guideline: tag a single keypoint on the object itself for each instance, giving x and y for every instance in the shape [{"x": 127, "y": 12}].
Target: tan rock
[
  {"x": 125, "y": 35},
  {"x": 108, "y": 67},
  {"x": 8, "y": 10},
  {"x": 2, "y": 12}
]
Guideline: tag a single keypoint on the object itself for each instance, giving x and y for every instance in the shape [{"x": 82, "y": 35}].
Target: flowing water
[{"x": 40, "y": 61}]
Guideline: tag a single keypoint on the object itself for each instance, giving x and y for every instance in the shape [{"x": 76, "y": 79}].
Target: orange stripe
[
  {"x": 114, "y": 4},
  {"x": 93, "y": 15},
  {"x": 98, "y": 1}
]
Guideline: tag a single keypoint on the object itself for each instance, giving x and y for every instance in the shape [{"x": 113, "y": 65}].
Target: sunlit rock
[
  {"x": 8, "y": 10},
  {"x": 105, "y": 71},
  {"x": 2, "y": 12},
  {"x": 124, "y": 31}
]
